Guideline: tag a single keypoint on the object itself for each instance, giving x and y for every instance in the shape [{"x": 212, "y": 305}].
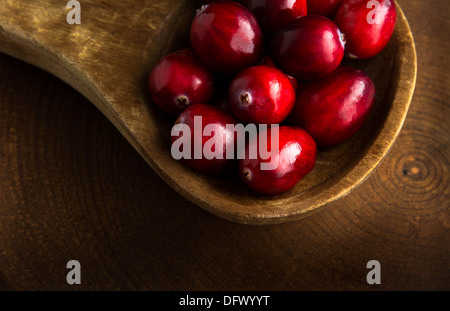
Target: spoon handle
[{"x": 107, "y": 57}]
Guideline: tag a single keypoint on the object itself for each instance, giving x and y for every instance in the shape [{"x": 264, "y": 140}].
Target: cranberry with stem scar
[
  {"x": 179, "y": 80},
  {"x": 261, "y": 95},
  {"x": 294, "y": 158}
]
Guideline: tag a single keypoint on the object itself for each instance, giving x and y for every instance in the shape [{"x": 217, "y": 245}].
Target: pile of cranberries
[{"x": 273, "y": 62}]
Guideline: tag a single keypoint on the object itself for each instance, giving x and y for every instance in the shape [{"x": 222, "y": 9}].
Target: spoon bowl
[{"x": 108, "y": 57}]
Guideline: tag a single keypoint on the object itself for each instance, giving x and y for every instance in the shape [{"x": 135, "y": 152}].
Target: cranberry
[
  {"x": 217, "y": 119},
  {"x": 262, "y": 95},
  {"x": 272, "y": 15},
  {"x": 368, "y": 26},
  {"x": 178, "y": 80},
  {"x": 333, "y": 109},
  {"x": 268, "y": 61},
  {"x": 308, "y": 47},
  {"x": 327, "y": 8},
  {"x": 227, "y": 37},
  {"x": 295, "y": 158}
]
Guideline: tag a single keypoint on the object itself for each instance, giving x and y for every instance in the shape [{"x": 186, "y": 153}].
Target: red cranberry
[
  {"x": 295, "y": 158},
  {"x": 333, "y": 109},
  {"x": 178, "y": 80},
  {"x": 368, "y": 26},
  {"x": 272, "y": 15},
  {"x": 217, "y": 119},
  {"x": 227, "y": 37},
  {"x": 327, "y": 8},
  {"x": 268, "y": 62},
  {"x": 261, "y": 95},
  {"x": 308, "y": 47}
]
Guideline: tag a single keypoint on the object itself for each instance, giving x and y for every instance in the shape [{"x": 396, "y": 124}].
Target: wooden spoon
[{"x": 109, "y": 55}]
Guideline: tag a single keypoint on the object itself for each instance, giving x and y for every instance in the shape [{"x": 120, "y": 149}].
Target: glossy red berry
[
  {"x": 327, "y": 8},
  {"x": 333, "y": 109},
  {"x": 227, "y": 37},
  {"x": 368, "y": 26},
  {"x": 295, "y": 158},
  {"x": 272, "y": 15},
  {"x": 211, "y": 159},
  {"x": 179, "y": 80},
  {"x": 261, "y": 95},
  {"x": 308, "y": 48}
]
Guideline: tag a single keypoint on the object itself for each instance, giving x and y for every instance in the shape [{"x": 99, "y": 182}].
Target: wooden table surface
[{"x": 72, "y": 188}]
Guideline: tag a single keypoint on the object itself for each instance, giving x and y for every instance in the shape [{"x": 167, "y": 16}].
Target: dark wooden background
[{"x": 71, "y": 187}]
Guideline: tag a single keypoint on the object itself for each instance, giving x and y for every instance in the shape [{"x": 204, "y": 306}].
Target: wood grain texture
[
  {"x": 71, "y": 187},
  {"x": 108, "y": 58}
]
